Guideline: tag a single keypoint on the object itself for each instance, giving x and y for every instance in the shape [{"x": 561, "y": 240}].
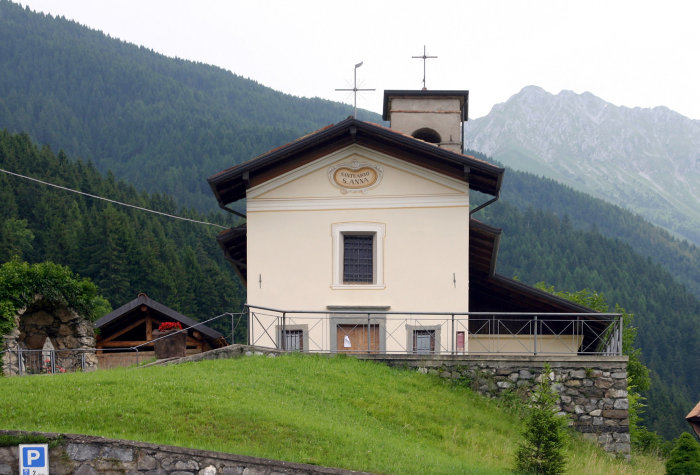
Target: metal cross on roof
[
  {"x": 355, "y": 89},
  {"x": 424, "y": 57}
]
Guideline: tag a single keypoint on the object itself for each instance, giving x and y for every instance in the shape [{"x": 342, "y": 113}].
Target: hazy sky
[{"x": 633, "y": 53}]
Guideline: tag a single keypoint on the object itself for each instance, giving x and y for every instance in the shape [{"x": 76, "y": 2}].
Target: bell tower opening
[{"x": 427, "y": 135}]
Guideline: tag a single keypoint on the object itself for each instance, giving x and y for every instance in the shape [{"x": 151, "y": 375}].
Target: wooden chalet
[{"x": 133, "y": 324}]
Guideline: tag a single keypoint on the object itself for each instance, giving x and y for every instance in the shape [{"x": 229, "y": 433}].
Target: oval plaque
[
  {"x": 355, "y": 179},
  {"x": 355, "y": 176}
]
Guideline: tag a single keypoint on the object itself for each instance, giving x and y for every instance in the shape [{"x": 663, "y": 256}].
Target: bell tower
[{"x": 436, "y": 117}]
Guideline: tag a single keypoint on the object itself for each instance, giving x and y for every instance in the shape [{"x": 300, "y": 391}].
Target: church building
[{"x": 360, "y": 237}]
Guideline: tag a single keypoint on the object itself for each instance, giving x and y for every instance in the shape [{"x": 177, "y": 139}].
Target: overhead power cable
[{"x": 112, "y": 201}]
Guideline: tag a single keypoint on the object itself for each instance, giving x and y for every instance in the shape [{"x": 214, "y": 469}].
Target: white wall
[
  {"x": 423, "y": 255},
  {"x": 425, "y": 248}
]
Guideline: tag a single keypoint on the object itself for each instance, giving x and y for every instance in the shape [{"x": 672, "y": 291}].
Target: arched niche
[{"x": 46, "y": 330}]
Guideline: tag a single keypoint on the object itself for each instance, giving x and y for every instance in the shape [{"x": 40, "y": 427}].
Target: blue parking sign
[{"x": 34, "y": 459}]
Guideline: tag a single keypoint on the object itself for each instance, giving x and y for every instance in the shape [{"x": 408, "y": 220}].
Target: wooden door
[{"x": 356, "y": 338}]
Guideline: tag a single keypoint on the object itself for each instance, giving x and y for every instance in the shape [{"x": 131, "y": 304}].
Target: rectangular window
[
  {"x": 358, "y": 255},
  {"x": 294, "y": 340},
  {"x": 358, "y": 259},
  {"x": 424, "y": 341}
]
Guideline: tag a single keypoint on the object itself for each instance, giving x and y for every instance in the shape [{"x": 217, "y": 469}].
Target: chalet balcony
[{"x": 473, "y": 333}]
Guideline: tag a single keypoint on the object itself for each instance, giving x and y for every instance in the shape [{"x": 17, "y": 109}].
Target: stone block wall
[
  {"x": 592, "y": 389},
  {"x": 71, "y": 335},
  {"x": 86, "y": 455}
]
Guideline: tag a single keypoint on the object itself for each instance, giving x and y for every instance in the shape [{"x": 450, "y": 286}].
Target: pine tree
[{"x": 541, "y": 453}]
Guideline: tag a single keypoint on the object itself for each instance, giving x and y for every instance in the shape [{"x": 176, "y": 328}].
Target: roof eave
[
  {"x": 355, "y": 130},
  {"x": 572, "y": 306},
  {"x": 144, "y": 299}
]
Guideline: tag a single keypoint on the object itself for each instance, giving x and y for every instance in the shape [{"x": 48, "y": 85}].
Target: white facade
[{"x": 419, "y": 221}]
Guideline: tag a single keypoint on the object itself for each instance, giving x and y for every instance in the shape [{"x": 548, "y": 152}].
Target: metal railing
[
  {"x": 474, "y": 333},
  {"x": 23, "y": 361},
  {"x": 28, "y": 361}
]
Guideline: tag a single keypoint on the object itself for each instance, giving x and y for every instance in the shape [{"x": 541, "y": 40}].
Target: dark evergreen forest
[
  {"x": 678, "y": 256},
  {"x": 123, "y": 250},
  {"x": 164, "y": 125}
]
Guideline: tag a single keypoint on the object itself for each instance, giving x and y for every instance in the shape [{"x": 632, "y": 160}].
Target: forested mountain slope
[
  {"x": 165, "y": 125},
  {"x": 123, "y": 250},
  {"x": 162, "y": 124},
  {"x": 646, "y": 160},
  {"x": 678, "y": 256}
]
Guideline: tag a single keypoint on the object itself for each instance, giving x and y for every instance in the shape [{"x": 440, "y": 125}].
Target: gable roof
[
  {"x": 123, "y": 312},
  {"x": 230, "y": 185}
]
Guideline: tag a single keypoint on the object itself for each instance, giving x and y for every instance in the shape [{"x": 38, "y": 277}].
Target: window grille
[
  {"x": 358, "y": 259},
  {"x": 424, "y": 341},
  {"x": 294, "y": 340}
]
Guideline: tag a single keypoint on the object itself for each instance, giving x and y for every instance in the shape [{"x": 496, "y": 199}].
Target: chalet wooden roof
[
  {"x": 230, "y": 185},
  {"x": 116, "y": 318}
]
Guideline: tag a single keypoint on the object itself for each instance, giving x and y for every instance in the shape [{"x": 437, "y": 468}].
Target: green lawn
[{"x": 335, "y": 411}]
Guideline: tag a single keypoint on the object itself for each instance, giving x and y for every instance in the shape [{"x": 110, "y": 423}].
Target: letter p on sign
[{"x": 34, "y": 459}]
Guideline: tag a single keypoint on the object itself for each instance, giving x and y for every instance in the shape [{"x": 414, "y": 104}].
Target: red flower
[{"x": 165, "y": 326}]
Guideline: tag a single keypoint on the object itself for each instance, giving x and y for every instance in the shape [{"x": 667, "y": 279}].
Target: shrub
[
  {"x": 685, "y": 456},
  {"x": 20, "y": 282}
]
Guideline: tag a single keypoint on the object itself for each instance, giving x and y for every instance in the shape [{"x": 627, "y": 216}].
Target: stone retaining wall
[
  {"x": 86, "y": 455},
  {"x": 592, "y": 389}
]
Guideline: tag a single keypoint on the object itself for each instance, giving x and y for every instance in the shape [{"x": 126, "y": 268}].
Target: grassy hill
[{"x": 334, "y": 411}]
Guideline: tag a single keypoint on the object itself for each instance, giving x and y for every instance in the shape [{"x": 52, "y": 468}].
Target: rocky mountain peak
[{"x": 644, "y": 159}]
